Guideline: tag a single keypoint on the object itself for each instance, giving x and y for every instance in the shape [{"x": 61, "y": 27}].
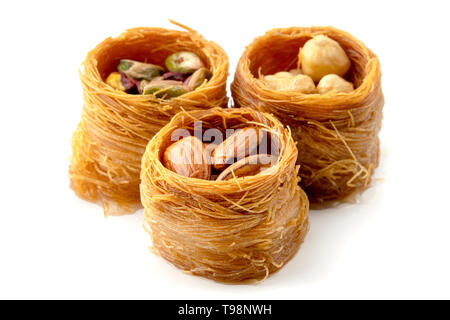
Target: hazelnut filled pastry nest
[
  {"x": 234, "y": 230},
  {"x": 337, "y": 132},
  {"x": 116, "y": 126}
]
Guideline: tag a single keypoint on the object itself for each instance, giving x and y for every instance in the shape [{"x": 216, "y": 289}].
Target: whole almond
[
  {"x": 249, "y": 166},
  {"x": 188, "y": 158},
  {"x": 242, "y": 143}
]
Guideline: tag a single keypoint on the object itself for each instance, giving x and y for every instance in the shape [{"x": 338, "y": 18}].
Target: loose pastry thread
[
  {"x": 365, "y": 172},
  {"x": 233, "y": 230},
  {"x": 115, "y": 126}
]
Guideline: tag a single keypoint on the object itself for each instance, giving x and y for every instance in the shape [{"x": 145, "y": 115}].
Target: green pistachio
[
  {"x": 144, "y": 83},
  {"x": 139, "y": 70},
  {"x": 183, "y": 61},
  {"x": 125, "y": 64},
  {"x": 198, "y": 77},
  {"x": 165, "y": 88}
]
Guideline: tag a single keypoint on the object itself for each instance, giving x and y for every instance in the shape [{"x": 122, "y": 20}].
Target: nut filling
[
  {"x": 244, "y": 223},
  {"x": 185, "y": 72},
  {"x": 244, "y": 152},
  {"x": 323, "y": 61}
]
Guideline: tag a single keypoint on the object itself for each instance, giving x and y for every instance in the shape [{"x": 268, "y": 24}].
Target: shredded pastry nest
[
  {"x": 230, "y": 231},
  {"x": 115, "y": 126},
  {"x": 337, "y": 133}
]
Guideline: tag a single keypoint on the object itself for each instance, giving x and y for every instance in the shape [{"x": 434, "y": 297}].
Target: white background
[{"x": 393, "y": 244}]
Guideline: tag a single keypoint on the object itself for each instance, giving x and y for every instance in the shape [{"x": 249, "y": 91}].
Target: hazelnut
[
  {"x": 303, "y": 83},
  {"x": 333, "y": 82},
  {"x": 283, "y": 74},
  {"x": 321, "y": 56},
  {"x": 287, "y": 82},
  {"x": 296, "y": 72}
]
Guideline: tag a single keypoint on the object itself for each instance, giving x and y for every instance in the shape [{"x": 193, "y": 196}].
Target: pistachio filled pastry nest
[
  {"x": 337, "y": 132},
  {"x": 116, "y": 126},
  {"x": 233, "y": 230}
]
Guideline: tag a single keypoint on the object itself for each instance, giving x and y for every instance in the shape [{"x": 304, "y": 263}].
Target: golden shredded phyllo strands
[
  {"x": 337, "y": 133},
  {"x": 234, "y": 230},
  {"x": 115, "y": 126}
]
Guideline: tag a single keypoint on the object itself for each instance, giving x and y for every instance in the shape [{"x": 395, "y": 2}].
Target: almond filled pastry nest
[
  {"x": 122, "y": 112},
  {"x": 336, "y": 131},
  {"x": 233, "y": 226}
]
